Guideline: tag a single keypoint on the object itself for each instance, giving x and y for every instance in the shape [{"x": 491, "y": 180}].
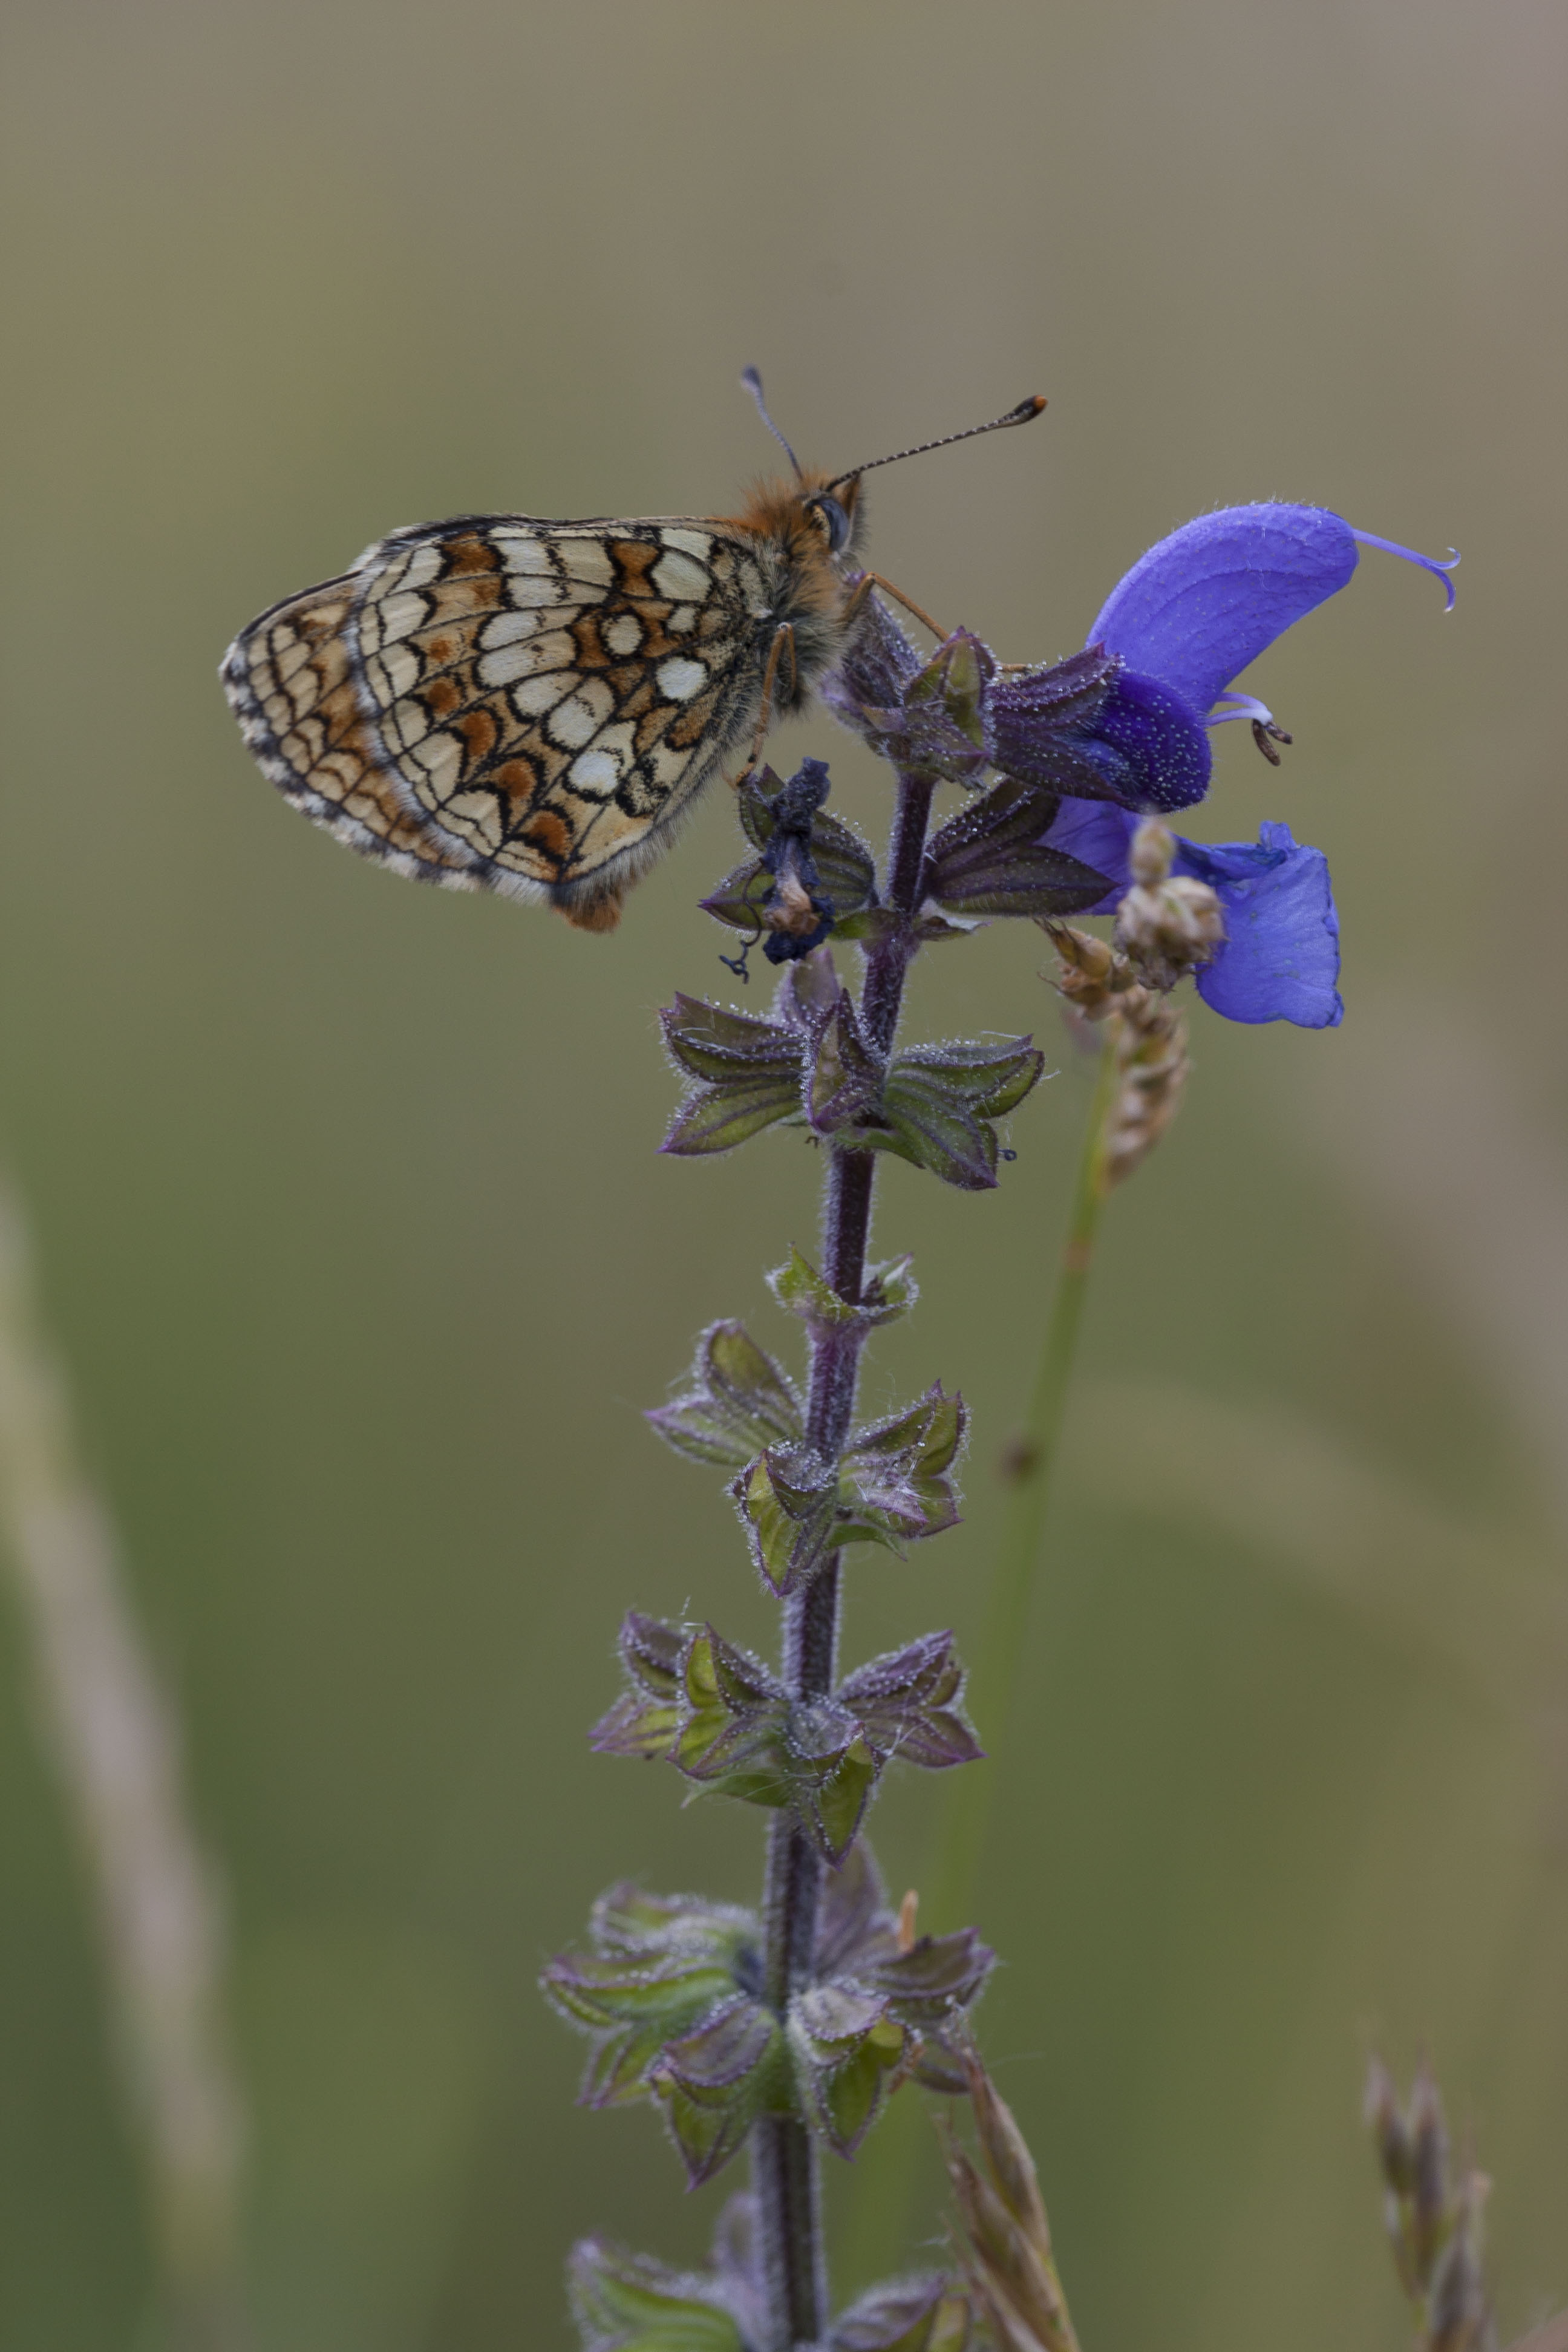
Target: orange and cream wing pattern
[
  {"x": 290, "y": 683},
  {"x": 508, "y": 704}
]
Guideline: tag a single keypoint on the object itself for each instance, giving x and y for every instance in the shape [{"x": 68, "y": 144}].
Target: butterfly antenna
[
  {"x": 1026, "y": 411},
  {"x": 753, "y": 383}
]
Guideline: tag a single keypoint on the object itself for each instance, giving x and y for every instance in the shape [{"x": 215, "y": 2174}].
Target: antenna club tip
[{"x": 1034, "y": 404}]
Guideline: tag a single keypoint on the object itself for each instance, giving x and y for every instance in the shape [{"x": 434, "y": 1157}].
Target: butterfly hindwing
[{"x": 290, "y": 681}]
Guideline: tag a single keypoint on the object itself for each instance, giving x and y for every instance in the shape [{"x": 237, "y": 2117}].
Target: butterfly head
[
  {"x": 833, "y": 513},
  {"x": 817, "y": 521}
]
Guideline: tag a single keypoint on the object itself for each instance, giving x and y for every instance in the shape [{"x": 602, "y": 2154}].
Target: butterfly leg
[
  {"x": 870, "y": 579},
  {"x": 770, "y": 679}
]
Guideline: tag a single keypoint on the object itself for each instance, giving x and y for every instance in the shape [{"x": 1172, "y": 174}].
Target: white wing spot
[
  {"x": 418, "y": 567},
  {"x": 580, "y": 718},
  {"x": 694, "y": 543},
  {"x": 623, "y": 634},
  {"x": 524, "y": 553},
  {"x": 535, "y": 696},
  {"x": 506, "y": 629},
  {"x": 396, "y": 616},
  {"x": 676, "y": 576},
  {"x": 595, "y": 773},
  {"x": 682, "y": 619},
  {"x": 525, "y": 590},
  {"x": 587, "y": 559},
  {"x": 679, "y": 679},
  {"x": 554, "y": 651}
]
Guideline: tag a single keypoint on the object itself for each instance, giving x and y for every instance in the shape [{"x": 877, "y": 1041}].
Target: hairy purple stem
[{"x": 784, "y": 2153}]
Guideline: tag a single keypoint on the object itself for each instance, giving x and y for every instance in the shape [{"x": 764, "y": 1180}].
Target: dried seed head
[
  {"x": 1151, "y": 1069},
  {"x": 1387, "y": 2128},
  {"x": 1430, "y": 2162},
  {"x": 1433, "y": 2220},
  {"x": 1006, "y": 2238},
  {"x": 1166, "y": 926},
  {"x": 1093, "y": 975},
  {"x": 1150, "y": 854},
  {"x": 1144, "y": 1030}
]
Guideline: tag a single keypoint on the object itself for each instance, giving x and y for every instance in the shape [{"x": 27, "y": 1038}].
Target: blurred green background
[{"x": 345, "y": 1192}]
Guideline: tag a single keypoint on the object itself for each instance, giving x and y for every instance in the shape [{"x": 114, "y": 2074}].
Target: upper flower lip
[
  {"x": 1191, "y": 615},
  {"x": 1199, "y": 607}
]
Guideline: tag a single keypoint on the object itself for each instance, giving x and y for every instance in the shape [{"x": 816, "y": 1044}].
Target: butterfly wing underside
[{"x": 511, "y": 704}]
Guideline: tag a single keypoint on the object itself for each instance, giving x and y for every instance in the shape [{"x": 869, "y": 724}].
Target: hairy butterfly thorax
[
  {"x": 507, "y": 703},
  {"x": 807, "y": 535}
]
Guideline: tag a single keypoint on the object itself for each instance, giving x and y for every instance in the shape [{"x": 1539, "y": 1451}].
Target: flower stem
[
  {"x": 1032, "y": 1460},
  {"x": 885, "y": 2181},
  {"x": 790, "y": 2256}
]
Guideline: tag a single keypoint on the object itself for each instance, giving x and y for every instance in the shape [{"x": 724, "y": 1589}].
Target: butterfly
[{"x": 500, "y": 702}]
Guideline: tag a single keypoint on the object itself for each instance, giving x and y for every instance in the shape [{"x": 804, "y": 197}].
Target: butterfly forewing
[{"x": 513, "y": 703}]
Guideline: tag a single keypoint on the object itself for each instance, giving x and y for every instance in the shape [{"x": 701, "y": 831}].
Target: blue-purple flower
[
  {"x": 1185, "y": 621},
  {"x": 1192, "y": 614},
  {"x": 1280, "y": 958}
]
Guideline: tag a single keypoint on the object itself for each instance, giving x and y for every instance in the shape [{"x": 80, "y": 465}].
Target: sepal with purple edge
[
  {"x": 734, "y": 1716},
  {"x": 787, "y": 1498},
  {"x": 931, "y": 1985},
  {"x": 714, "y": 2083},
  {"x": 853, "y": 2044},
  {"x": 893, "y": 1486},
  {"x": 992, "y": 858},
  {"x": 747, "y": 1074},
  {"x": 737, "y": 2269},
  {"x": 623, "y": 2302},
  {"x": 890, "y": 1486},
  {"x": 858, "y": 2035},
  {"x": 739, "y": 1400},
  {"x": 844, "y": 1083},
  {"x": 850, "y": 2053},
  {"x": 742, "y": 1736},
  {"x": 738, "y": 1733},
  {"x": 653, "y": 1969},
  {"x": 1040, "y": 724},
  {"x": 645, "y": 1719},
  {"x": 937, "y": 1102},
  {"x": 865, "y": 690},
  {"x": 921, "y": 715},
  {"x": 908, "y": 1704},
  {"x": 887, "y": 1292},
  {"x": 942, "y": 731},
  {"x": 927, "y": 2313}
]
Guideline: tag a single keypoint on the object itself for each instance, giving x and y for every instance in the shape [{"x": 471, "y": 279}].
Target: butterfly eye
[{"x": 831, "y": 520}]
